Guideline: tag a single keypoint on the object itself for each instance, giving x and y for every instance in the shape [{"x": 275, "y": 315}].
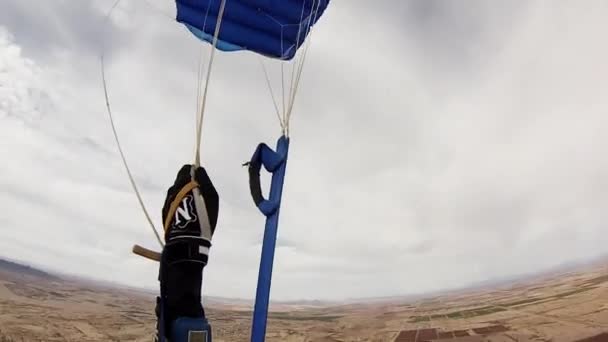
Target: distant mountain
[
  {"x": 20, "y": 269},
  {"x": 557, "y": 270},
  {"x": 310, "y": 303},
  {"x": 494, "y": 283}
]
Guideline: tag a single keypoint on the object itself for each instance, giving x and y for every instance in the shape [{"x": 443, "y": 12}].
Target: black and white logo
[{"x": 185, "y": 213}]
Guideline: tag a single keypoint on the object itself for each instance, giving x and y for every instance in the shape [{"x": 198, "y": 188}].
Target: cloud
[{"x": 435, "y": 146}]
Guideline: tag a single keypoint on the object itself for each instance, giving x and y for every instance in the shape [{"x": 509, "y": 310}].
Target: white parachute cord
[
  {"x": 110, "y": 12},
  {"x": 283, "y": 85},
  {"x": 291, "y": 86},
  {"x": 292, "y": 100},
  {"x": 283, "y": 89},
  {"x": 294, "y": 91},
  {"x": 200, "y": 117},
  {"x": 122, "y": 155},
  {"x": 199, "y": 81},
  {"x": 299, "y": 62},
  {"x": 274, "y": 101}
]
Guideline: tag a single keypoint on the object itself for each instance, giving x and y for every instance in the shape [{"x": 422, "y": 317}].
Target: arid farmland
[{"x": 564, "y": 307}]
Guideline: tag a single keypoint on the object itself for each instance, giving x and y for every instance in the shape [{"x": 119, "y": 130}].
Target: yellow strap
[
  {"x": 146, "y": 253},
  {"x": 180, "y": 196}
]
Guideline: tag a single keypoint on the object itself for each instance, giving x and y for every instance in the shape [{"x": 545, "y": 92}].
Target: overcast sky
[{"x": 433, "y": 144}]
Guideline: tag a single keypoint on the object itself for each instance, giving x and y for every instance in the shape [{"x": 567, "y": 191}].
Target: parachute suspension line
[
  {"x": 274, "y": 101},
  {"x": 299, "y": 63},
  {"x": 293, "y": 68},
  {"x": 292, "y": 100},
  {"x": 122, "y": 155},
  {"x": 110, "y": 11},
  {"x": 111, "y": 117},
  {"x": 201, "y": 114},
  {"x": 199, "y": 81},
  {"x": 283, "y": 88},
  {"x": 283, "y": 85},
  {"x": 285, "y": 119},
  {"x": 200, "y": 72},
  {"x": 284, "y": 114}
]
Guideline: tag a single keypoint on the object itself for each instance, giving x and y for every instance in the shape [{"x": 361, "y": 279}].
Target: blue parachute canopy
[{"x": 273, "y": 28}]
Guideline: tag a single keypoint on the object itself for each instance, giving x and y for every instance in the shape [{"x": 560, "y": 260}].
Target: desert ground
[{"x": 569, "y": 306}]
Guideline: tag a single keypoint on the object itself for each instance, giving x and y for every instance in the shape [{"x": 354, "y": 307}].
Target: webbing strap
[{"x": 177, "y": 200}]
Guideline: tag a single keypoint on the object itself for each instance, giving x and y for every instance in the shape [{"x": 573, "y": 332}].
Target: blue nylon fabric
[
  {"x": 182, "y": 327},
  {"x": 262, "y": 297},
  {"x": 273, "y": 28},
  {"x": 222, "y": 45}
]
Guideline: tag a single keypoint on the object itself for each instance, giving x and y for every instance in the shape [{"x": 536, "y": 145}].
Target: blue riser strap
[{"x": 276, "y": 163}]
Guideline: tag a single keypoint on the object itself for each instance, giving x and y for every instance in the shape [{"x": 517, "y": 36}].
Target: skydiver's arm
[{"x": 190, "y": 216}]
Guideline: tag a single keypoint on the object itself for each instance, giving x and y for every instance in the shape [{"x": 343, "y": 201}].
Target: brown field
[{"x": 565, "y": 307}]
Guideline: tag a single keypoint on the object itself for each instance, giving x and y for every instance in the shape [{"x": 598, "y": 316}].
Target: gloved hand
[{"x": 190, "y": 215}]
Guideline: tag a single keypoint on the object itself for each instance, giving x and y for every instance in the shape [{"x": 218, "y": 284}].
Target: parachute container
[{"x": 272, "y": 28}]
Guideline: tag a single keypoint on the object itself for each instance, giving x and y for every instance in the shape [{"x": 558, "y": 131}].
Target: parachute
[{"x": 273, "y": 29}]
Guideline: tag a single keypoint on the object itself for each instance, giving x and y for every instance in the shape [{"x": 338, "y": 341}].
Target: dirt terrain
[{"x": 563, "y": 307}]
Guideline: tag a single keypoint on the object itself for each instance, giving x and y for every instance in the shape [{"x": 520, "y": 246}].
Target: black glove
[{"x": 190, "y": 216}]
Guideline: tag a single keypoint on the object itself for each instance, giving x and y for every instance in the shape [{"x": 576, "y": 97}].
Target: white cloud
[{"x": 444, "y": 146}]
